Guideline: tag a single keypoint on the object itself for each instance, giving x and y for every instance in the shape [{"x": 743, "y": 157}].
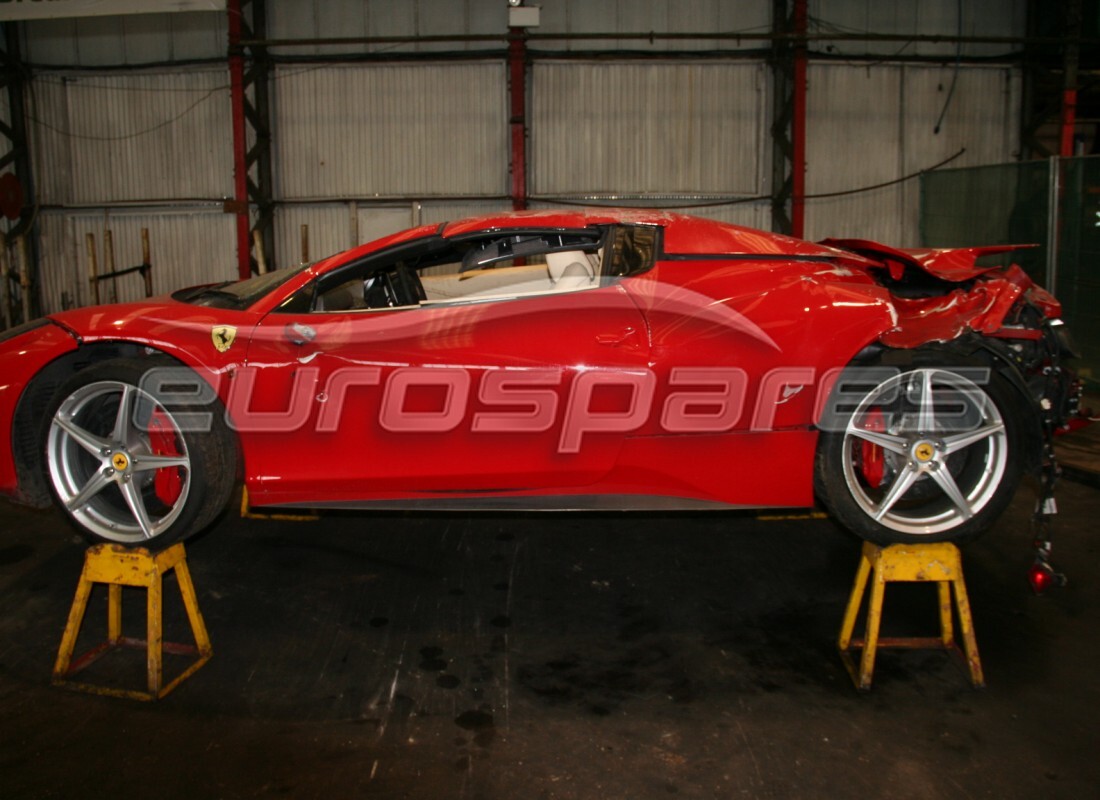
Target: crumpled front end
[{"x": 947, "y": 296}]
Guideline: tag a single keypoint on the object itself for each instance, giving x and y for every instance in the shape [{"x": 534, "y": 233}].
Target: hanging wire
[
  {"x": 761, "y": 198},
  {"x": 958, "y": 60}
]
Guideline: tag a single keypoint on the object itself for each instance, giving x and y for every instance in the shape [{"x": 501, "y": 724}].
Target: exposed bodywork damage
[{"x": 941, "y": 294}]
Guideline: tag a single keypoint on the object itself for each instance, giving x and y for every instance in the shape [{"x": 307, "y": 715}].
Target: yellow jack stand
[
  {"x": 939, "y": 562},
  {"x": 117, "y": 567}
]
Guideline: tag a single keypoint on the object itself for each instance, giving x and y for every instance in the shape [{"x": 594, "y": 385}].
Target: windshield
[{"x": 238, "y": 295}]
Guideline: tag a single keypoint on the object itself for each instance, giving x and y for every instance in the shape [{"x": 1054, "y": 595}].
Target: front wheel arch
[
  {"x": 133, "y": 501},
  {"x": 889, "y": 481}
]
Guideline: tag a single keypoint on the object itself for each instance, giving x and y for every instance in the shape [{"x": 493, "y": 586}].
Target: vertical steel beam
[
  {"x": 517, "y": 102},
  {"x": 798, "y": 122},
  {"x": 14, "y": 76},
  {"x": 240, "y": 140},
  {"x": 1071, "y": 57},
  {"x": 788, "y": 129},
  {"x": 259, "y": 114},
  {"x": 248, "y": 73}
]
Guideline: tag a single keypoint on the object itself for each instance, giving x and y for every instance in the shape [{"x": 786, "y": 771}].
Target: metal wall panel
[
  {"x": 335, "y": 227},
  {"x": 351, "y": 18},
  {"x": 187, "y": 247},
  {"x": 926, "y": 18},
  {"x": 643, "y": 16},
  {"x": 133, "y": 137},
  {"x": 327, "y": 19},
  {"x": 392, "y": 130},
  {"x": 329, "y": 231},
  {"x": 870, "y": 126},
  {"x": 662, "y": 128},
  {"x": 135, "y": 39},
  {"x": 982, "y": 119},
  {"x": 447, "y": 211},
  {"x": 853, "y": 140}
]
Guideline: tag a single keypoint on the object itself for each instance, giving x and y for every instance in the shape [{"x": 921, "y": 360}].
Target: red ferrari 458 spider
[{"x": 598, "y": 359}]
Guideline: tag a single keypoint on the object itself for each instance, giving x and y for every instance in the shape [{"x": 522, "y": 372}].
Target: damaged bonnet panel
[{"x": 941, "y": 294}]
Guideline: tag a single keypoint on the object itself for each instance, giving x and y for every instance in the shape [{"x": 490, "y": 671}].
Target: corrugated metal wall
[
  {"x": 924, "y": 18},
  {"x": 874, "y": 125},
  {"x": 646, "y": 16},
  {"x": 182, "y": 243},
  {"x": 131, "y": 40},
  {"x": 132, "y": 138},
  {"x": 127, "y": 151},
  {"x": 361, "y": 149},
  {"x": 326, "y": 19},
  {"x": 391, "y": 130},
  {"x": 594, "y": 129}
]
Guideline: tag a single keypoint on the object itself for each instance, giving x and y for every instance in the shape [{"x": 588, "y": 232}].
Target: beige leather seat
[{"x": 569, "y": 270}]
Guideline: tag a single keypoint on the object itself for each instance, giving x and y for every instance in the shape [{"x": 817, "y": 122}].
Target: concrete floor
[{"x": 555, "y": 656}]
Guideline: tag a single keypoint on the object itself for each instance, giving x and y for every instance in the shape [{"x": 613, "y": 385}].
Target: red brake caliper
[
  {"x": 162, "y": 442},
  {"x": 872, "y": 462}
]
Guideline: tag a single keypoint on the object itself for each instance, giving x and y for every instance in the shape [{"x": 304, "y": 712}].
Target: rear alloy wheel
[
  {"x": 121, "y": 466},
  {"x": 927, "y": 454}
]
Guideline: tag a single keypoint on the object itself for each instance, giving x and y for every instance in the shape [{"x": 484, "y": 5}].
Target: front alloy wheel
[{"x": 122, "y": 468}]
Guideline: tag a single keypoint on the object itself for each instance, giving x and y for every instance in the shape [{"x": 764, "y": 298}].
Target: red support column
[
  {"x": 798, "y": 124},
  {"x": 1069, "y": 121},
  {"x": 240, "y": 141},
  {"x": 517, "y": 96}
]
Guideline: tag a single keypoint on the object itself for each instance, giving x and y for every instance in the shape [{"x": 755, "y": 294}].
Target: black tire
[
  {"x": 149, "y": 474},
  {"x": 893, "y": 468}
]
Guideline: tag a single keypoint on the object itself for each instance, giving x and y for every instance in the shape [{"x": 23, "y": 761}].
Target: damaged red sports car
[{"x": 598, "y": 359}]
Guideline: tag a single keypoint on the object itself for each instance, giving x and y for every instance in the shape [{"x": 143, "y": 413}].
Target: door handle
[
  {"x": 299, "y": 334},
  {"x": 623, "y": 337}
]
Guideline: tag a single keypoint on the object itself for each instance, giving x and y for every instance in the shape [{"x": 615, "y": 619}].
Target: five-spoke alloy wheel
[
  {"x": 928, "y": 452},
  {"x": 122, "y": 467}
]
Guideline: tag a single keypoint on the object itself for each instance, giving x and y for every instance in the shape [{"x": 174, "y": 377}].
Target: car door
[{"x": 503, "y": 380}]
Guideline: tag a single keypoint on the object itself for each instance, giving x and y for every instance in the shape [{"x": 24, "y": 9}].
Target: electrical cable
[
  {"x": 759, "y": 198},
  {"x": 958, "y": 60}
]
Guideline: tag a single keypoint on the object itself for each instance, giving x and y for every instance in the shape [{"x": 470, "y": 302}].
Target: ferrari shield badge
[{"x": 223, "y": 336}]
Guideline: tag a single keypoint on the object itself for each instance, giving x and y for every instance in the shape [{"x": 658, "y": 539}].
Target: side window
[
  {"x": 633, "y": 250},
  {"x": 500, "y": 266},
  {"x": 389, "y": 286}
]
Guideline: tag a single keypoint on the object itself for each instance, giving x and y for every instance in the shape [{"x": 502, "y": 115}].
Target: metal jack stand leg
[
  {"x": 940, "y": 563},
  {"x": 117, "y": 567}
]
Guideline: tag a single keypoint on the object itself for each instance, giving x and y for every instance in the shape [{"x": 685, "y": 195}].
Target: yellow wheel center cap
[
  {"x": 120, "y": 462},
  {"x": 924, "y": 451}
]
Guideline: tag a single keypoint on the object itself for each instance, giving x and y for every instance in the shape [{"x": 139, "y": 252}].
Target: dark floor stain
[
  {"x": 474, "y": 720},
  {"x": 15, "y": 553},
  {"x": 448, "y": 681},
  {"x": 379, "y": 622},
  {"x": 501, "y": 622},
  {"x": 505, "y": 537},
  {"x": 602, "y": 683},
  {"x": 501, "y": 587}
]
